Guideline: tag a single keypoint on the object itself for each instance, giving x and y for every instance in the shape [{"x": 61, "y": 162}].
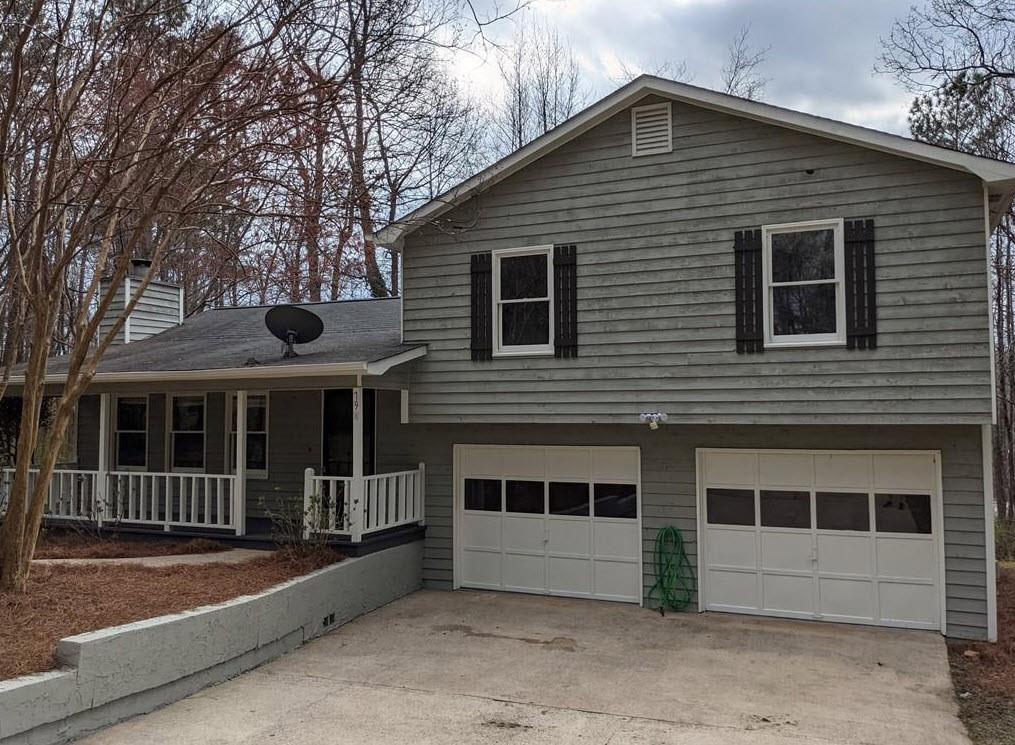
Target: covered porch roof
[{"x": 360, "y": 338}]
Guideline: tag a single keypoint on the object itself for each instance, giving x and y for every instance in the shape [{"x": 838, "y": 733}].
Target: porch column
[
  {"x": 356, "y": 502},
  {"x": 102, "y": 474},
  {"x": 240, "y": 480}
]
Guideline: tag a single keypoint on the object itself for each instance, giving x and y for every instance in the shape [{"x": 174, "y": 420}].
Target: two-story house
[{"x": 764, "y": 328}]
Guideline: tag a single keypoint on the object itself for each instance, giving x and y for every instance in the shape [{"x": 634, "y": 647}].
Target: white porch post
[
  {"x": 358, "y": 492},
  {"x": 240, "y": 479},
  {"x": 102, "y": 476}
]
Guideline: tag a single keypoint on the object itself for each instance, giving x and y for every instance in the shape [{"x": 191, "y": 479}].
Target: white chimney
[{"x": 158, "y": 309}]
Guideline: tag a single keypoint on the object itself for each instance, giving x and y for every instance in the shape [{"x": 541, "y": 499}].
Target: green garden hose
[{"x": 674, "y": 585}]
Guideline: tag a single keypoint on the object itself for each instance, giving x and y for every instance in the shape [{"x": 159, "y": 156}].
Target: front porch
[{"x": 233, "y": 462}]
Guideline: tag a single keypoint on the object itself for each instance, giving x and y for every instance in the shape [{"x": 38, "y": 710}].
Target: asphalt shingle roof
[{"x": 223, "y": 338}]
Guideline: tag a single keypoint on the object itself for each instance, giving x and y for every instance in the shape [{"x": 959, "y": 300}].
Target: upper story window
[
  {"x": 804, "y": 296},
  {"x": 186, "y": 434},
  {"x": 131, "y": 432},
  {"x": 523, "y": 301}
]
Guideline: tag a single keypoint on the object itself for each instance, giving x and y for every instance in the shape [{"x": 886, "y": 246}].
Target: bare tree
[
  {"x": 543, "y": 86},
  {"x": 741, "y": 74}
]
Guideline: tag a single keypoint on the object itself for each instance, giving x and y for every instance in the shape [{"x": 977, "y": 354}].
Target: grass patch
[
  {"x": 65, "y": 600},
  {"x": 984, "y": 674}
]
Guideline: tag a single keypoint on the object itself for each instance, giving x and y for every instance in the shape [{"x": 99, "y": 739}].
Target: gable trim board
[{"x": 998, "y": 177}]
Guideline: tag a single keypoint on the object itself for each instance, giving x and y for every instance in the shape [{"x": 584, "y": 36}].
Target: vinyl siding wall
[
  {"x": 157, "y": 310},
  {"x": 655, "y": 284},
  {"x": 669, "y": 485}
]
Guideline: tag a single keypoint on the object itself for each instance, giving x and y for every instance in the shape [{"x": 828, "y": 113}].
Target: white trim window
[
  {"x": 523, "y": 301},
  {"x": 187, "y": 416},
  {"x": 804, "y": 269},
  {"x": 130, "y": 433},
  {"x": 257, "y": 435}
]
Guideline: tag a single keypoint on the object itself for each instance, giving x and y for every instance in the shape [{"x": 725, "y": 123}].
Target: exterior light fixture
[{"x": 653, "y": 418}]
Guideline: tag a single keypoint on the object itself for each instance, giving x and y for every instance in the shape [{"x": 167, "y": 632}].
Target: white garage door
[
  {"x": 549, "y": 520},
  {"x": 836, "y": 536}
]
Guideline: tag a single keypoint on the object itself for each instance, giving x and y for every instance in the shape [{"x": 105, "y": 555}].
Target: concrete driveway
[{"x": 477, "y": 667}]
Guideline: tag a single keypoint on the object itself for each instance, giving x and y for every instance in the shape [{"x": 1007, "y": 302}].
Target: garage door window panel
[
  {"x": 903, "y": 513},
  {"x": 843, "y": 511},
  {"x": 785, "y": 509},
  {"x": 483, "y": 495},
  {"x": 526, "y": 497},
  {"x": 730, "y": 506},
  {"x": 616, "y": 500},
  {"x": 569, "y": 498}
]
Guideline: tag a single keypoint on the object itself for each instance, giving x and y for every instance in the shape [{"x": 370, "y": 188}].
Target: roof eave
[{"x": 362, "y": 367}]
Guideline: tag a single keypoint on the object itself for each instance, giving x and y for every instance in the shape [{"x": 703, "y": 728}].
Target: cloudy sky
[{"x": 821, "y": 59}]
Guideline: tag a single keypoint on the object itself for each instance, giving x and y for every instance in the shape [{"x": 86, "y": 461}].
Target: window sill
[
  {"x": 526, "y": 353},
  {"x": 803, "y": 344}
]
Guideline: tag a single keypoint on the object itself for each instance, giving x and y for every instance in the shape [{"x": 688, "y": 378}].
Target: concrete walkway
[
  {"x": 474, "y": 667},
  {"x": 232, "y": 556}
]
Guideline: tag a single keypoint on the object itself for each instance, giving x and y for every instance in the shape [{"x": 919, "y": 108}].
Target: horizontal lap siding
[
  {"x": 669, "y": 485},
  {"x": 655, "y": 284}
]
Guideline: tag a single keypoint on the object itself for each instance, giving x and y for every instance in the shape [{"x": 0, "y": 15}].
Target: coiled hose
[{"x": 674, "y": 585}]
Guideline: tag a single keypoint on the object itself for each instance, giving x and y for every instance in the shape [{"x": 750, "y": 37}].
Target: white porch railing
[
  {"x": 353, "y": 507},
  {"x": 172, "y": 499},
  {"x": 73, "y": 494},
  {"x": 137, "y": 497}
]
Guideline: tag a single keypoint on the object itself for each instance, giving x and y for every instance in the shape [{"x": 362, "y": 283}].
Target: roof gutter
[{"x": 271, "y": 372}]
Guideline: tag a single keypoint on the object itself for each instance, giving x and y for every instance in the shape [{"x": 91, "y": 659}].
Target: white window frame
[
  {"x": 170, "y": 432},
  {"x": 116, "y": 431},
  {"x": 230, "y": 447},
  {"x": 521, "y": 350},
  {"x": 837, "y": 338}
]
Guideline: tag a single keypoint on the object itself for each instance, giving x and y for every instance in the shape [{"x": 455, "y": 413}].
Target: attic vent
[{"x": 651, "y": 129}]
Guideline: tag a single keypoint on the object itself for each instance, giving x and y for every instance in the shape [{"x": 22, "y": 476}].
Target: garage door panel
[
  {"x": 912, "y": 558},
  {"x": 616, "y": 538},
  {"x": 869, "y": 554},
  {"x": 731, "y": 468},
  {"x": 617, "y": 580},
  {"x": 524, "y": 533},
  {"x": 569, "y": 537},
  {"x": 732, "y": 548},
  {"x": 524, "y": 572},
  {"x": 845, "y": 554},
  {"x": 903, "y": 471},
  {"x": 786, "y": 469},
  {"x": 536, "y": 532},
  {"x": 481, "y": 530},
  {"x": 841, "y": 471},
  {"x": 789, "y": 594},
  {"x": 481, "y": 568},
  {"x": 785, "y": 550},
  {"x": 570, "y": 576},
  {"x": 728, "y": 590},
  {"x": 908, "y": 604},
  {"x": 846, "y": 599}
]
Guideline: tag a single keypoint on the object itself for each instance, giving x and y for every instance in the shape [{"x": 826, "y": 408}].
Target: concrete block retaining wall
[{"x": 116, "y": 673}]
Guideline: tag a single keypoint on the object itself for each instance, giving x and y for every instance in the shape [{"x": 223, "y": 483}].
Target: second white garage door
[
  {"x": 549, "y": 520},
  {"x": 852, "y": 536}
]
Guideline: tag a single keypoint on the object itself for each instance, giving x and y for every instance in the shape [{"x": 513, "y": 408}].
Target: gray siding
[
  {"x": 669, "y": 485},
  {"x": 157, "y": 310},
  {"x": 655, "y": 284}
]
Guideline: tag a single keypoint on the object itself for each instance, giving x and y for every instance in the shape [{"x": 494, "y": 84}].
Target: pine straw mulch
[
  {"x": 80, "y": 546},
  {"x": 65, "y": 600},
  {"x": 984, "y": 674}
]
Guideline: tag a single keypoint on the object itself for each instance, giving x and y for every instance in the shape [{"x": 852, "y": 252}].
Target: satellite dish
[{"x": 293, "y": 325}]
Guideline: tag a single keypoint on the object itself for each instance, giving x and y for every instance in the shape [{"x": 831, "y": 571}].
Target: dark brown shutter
[
  {"x": 861, "y": 298},
  {"x": 749, "y": 291},
  {"x": 482, "y": 307},
  {"x": 565, "y": 300}
]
